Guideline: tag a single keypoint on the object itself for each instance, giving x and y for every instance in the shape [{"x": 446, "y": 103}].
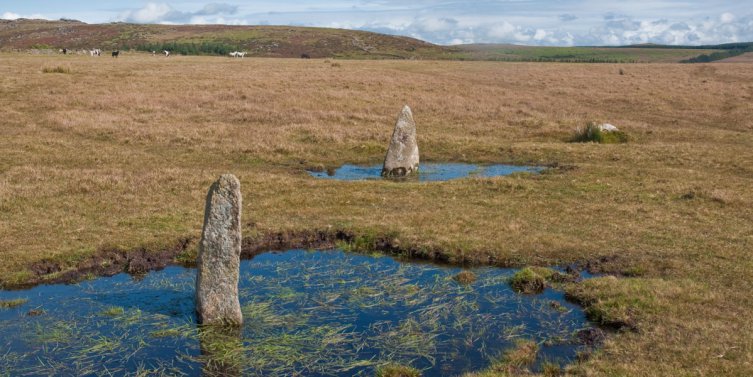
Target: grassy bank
[{"x": 120, "y": 153}]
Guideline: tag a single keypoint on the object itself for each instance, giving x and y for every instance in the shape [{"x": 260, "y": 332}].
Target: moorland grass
[{"x": 85, "y": 165}]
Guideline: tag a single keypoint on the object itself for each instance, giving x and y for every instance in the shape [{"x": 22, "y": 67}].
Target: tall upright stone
[
  {"x": 402, "y": 155},
  {"x": 218, "y": 262}
]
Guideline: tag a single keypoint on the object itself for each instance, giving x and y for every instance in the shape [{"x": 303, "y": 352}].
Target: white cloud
[
  {"x": 15, "y": 16},
  {"x": 162, "y": 13},
  {"x": 150, "y": 13}
]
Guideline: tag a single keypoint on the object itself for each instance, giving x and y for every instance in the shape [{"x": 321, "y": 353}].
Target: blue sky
[{"x": 532, "y": 22}]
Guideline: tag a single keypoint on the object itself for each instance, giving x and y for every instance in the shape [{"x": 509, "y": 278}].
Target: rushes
[
  {"x": 594, "y": 134},
  {"x": 56, "y": 69}
]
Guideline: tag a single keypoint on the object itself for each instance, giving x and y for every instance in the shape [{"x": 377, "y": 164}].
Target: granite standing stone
[
  {"x": 402, "y": 155},
  {"x": 218, "y": 262}
]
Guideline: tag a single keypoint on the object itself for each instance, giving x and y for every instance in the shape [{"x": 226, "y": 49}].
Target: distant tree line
[
  {"x": 724, "y": 54},
  {"x": 563, "y": 60},
  {"x": 204, "y": 48},
  {"x": 725, "y": 46}
]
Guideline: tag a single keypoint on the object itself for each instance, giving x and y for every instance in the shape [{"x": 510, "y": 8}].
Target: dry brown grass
[{"x": 121, "y": 152}]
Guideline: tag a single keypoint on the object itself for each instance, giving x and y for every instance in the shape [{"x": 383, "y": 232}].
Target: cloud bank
[
  {"x": 163, "y": 13},
  {"x": 533, "y": 22}
]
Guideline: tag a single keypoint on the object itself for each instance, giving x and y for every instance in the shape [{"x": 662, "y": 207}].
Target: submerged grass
[
  {"x": 113, "y": 311},
  {"x": 7, "y": 304},
  {"x": 305, "y": 313}
]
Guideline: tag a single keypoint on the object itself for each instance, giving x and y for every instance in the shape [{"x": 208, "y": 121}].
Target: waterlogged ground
[
  {"x": 427, "y": 172},
  {"x": 306, "y": 313}
]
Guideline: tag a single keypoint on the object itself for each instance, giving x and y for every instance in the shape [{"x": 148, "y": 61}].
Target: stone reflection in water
[{"x": 222, "y": 351}]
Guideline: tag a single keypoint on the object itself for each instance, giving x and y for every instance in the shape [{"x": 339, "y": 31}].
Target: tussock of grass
[
  {"x": 514, "y": 361},
  {"x": 517, "y": 361},
  {"x": 7, "y": 304},
  {"x": 394, "y": 370},
  {"x": 465, "y": 277},
  {"x": 56, "y": 69},
  {"x": 549, "y": 369},
  {"x": 528, "y": 281},
  {"x": 113, "y": 311},
  {"x": 593, "y": 134}
]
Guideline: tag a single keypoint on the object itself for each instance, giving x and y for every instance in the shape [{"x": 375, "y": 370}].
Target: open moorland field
[
  {"x": 103, "y": 154},
  {"x": 579, "y": 54}
]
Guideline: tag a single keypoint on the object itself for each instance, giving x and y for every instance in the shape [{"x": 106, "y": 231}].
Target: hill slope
[{"x": 269, "y": 41}]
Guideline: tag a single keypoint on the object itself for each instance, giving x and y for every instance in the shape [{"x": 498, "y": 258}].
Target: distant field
[
  {"x": 745, "y": 58},
  {"x": 578, "y": 54}
]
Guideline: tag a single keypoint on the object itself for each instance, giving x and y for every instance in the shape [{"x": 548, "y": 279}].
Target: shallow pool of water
[
  {"x": 427, "y": 172},
  {"x": 322, "y": 313}
]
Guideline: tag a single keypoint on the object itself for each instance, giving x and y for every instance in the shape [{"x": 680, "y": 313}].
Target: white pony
[
  {"x": 167, "y": 53},
  {"x": 241, "y": 54},
  {"x": 233, "y": 54},
  {"x": 95, "y": 52}
]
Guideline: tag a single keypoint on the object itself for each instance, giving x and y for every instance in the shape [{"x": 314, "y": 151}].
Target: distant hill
[
  {"x": 293, "y": 42},
  {"x": 265, "y": 41}
]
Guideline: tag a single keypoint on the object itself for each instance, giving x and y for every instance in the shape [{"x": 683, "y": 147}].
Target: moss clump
[
  {"x": 465, "y": 277},
  {"x": 7, "y": 304},
  {"x": 592, "y": 133},
  {"x": 528, "y": 281},
  {"x": 394, "y": 370}
]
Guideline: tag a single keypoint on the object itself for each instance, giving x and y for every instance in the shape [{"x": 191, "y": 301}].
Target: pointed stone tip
[
  {"x": 228, "y": 179},
  {"x": 406, "y": 109}
]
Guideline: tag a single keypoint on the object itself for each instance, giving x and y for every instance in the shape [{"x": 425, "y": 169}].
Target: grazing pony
[
  {"x": 115, "y": 53},
  {"x": 305, "y": 56},
  {"x": 233, "y": 54},
  {"x": 167, "y": 53},
  {"x": 95, "y": 52}
]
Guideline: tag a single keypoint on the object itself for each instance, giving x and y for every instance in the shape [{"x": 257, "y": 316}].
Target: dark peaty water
[
  {"x": 323, "y": 313},
  {"x": 428, "y": 172}
]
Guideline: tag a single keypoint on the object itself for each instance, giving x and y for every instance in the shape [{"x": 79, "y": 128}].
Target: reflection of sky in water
[
  {"x": 315, "y": 313},
  {"x": 428, "y": 172}
]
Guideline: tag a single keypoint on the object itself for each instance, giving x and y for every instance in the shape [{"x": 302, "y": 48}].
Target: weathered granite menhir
[
  {"x": 402, "y": 155},
  {"x": 218, "y": 262}
]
